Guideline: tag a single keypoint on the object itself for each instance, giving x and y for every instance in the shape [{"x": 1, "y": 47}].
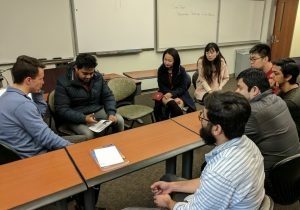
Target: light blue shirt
[
  {"x": 232, "y": 179},
  {"x": 22, "y": 126}
]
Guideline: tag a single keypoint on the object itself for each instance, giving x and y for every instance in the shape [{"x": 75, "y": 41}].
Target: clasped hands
[{"x": 161, "y": 191}]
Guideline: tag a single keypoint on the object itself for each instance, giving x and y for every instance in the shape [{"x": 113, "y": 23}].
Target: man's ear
[
  {"x": 256, "y": 90},
  {"x": 288, "y": 77},
  {"x": 27, "y": 80},
  {"x": 216, "y": 130}
]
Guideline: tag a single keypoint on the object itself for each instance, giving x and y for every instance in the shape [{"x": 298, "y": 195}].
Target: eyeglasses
[
  {"x": 254, "y": 59},
  {"x": 200, "y": 116}
]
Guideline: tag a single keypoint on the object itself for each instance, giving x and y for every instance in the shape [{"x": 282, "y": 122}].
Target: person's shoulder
[
  {"x": 200, "y": 59},
  {"x": 161, "y": 70},
  {"x": 223, "y": 62},
  {"x": 161, "y": 67},
  {"x": 182, "y": 70},
  {"x": 268, "y": 106}
]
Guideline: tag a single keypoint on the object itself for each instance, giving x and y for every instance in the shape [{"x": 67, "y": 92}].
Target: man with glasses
[
  {"x": 270, "y": 125},
  {"x": 285, "y": 74},
  {"x": 234, "y": 176},
  {"x": 82, "y": 97},
  {"x": 260, "y": 58}
]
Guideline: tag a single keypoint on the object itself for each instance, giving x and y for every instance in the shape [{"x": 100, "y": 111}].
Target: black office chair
[
  {"x": 7, "y": 154},
  {"x": 285, "y": 180}
]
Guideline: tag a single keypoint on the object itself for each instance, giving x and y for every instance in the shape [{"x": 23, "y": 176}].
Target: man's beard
[{"x": 206, "y": 135}]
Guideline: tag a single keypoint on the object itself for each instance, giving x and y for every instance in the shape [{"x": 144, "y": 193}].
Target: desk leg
[
  {"x": 171, "y": 165},
  {"x": 187, "y": 164},
  {"x": 90, "y": 198}
]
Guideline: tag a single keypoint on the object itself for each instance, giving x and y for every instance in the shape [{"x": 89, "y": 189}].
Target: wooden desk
[
  {"x": 189, "y": 121},
  {"x": 152, "y": 73},
  {"x": 139, "y": 75},
  {"x": 142, "y": 146},
  {"x": 110, "y": 76},
  {"x": 37, "y": 181}
]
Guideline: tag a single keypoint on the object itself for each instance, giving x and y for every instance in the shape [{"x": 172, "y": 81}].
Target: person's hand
[
  {"x": 90, "y": 119},
  {"x": 179, "y": 102},
  {"x": 168, "y": 95},
  {"x": 113, "y": 118},
  {"x": 161, "y": 187},
  {"x": 272, "y": 83},
  {"x": 164, "y": 201}
]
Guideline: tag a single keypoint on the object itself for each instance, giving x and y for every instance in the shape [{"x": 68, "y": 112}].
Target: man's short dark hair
[
  {"x": 25, "y": 66},
  {"x": 254, "y": 77},
  {"x": 263, "y": 50},
  {"x": 230, "y": 110},
  {"x": 86, "y": 61},
  {"x": 288, "y": 67}
]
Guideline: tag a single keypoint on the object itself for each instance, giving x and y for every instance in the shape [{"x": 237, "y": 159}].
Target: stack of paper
[{"x": 108, "y": 156}]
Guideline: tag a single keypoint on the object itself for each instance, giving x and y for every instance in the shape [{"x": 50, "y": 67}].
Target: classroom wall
[
  {"x": 150, "y": 59},
  {"x": 295, "y": 49}
]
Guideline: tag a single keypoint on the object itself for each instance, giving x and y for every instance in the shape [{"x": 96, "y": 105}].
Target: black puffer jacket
[{"x": 73, "y": 101}]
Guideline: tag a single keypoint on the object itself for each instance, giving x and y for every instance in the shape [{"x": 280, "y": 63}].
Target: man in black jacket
[{"x": 82, "y": 97}]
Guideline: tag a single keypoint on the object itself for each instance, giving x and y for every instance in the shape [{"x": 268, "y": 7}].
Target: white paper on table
[{"x": 108, "y": 155}]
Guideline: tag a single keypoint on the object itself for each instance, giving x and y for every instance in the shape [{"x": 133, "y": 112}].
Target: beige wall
[
  {"x": 151, "y": 59},
  {"x": 295, "y": 49}
]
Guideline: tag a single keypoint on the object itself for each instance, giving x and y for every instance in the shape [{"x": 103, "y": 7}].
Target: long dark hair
[
  {"x": 208, "y": 65},
  {"x": 174, "y": 53}
]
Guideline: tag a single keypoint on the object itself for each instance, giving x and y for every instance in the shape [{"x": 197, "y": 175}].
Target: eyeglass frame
[
  {"x": 202, "y": 118},
  {"x": 255, "y": 59}
]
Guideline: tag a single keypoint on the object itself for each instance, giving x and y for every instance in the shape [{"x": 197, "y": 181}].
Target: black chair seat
[
  {"x": 7, "y": 154},
  {"x": 285, "y": 180}
]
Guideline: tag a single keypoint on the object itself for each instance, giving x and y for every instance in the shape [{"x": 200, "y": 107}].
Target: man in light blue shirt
[
  {"x": 234, "y": 175},
  {"x": 22, "y": 125}
]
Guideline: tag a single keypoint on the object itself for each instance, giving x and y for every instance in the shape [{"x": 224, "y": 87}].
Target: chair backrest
[
  {"x": 122, "y": 88},
  {"x": 51, "y": 101},
  {"x": 194, "y": 78},
  {"x": 188, "y": 81},
  {"x": 285, "y": 180},
  {"x": 7, "y": 154},
  {"x": 51, "y": 106},
  {"x": 267, "y": 203}
]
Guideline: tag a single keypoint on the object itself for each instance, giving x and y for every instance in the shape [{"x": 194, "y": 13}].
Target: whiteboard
[
  {"x": 110, "y": 25},
  {"x": 240, "y": 20},
  {"x": 38, "y": 28},
  {"x": 186, "y": 23}
]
